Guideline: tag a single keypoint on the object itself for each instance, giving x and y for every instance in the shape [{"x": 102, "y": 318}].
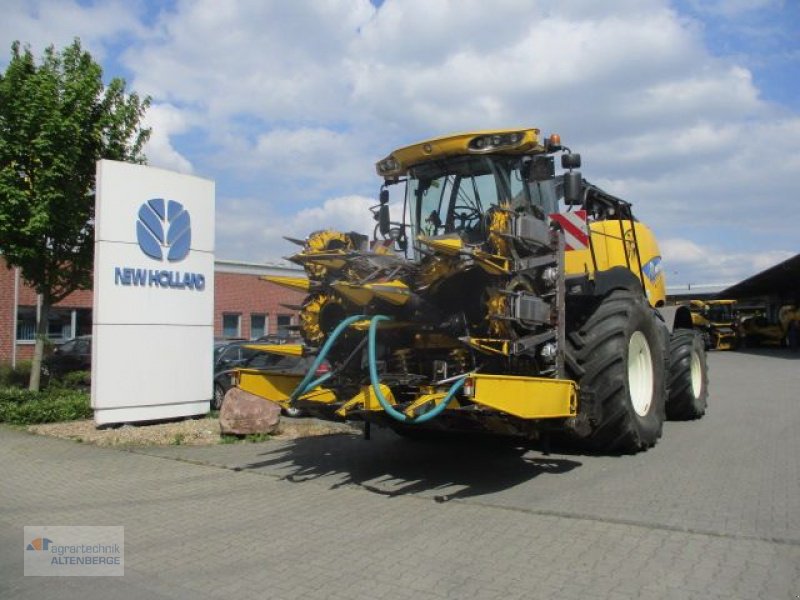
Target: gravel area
[{"x": 189, "y": 432}]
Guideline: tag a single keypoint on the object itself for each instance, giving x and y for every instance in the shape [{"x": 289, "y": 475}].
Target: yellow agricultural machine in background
[
  {"x": 716, "y": 321},
  {"x": 507, "y": 299},
  {"x": 757, "y": 330}
]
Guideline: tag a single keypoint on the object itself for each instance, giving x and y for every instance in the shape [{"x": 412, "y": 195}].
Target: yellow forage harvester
[{"x": 509, "y": 299}]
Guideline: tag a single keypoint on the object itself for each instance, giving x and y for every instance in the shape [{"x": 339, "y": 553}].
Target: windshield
[
  {"x": 452, "y": 196},
  {"x": 720, "y": 313}
]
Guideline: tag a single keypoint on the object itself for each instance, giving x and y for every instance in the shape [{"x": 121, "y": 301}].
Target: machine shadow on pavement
[{"x": 392, "y": 466}]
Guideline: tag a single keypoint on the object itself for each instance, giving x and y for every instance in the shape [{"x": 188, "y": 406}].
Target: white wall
[{"x": 153, "y": 318}]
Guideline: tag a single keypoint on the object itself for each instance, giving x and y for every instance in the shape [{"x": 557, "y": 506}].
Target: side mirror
[
  {"x": 571, "y": 161},
  {"x": 384, "y": 220},
  {"x": 573, "y": 188}
]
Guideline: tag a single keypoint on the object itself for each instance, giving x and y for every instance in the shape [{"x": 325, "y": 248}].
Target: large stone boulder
[{"x": 243, "y": 413}]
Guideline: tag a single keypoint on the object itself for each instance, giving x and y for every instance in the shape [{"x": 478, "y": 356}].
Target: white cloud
[
  {"x": 165, "y": 121},
  {"x": 275, "y": 60},
  {"x": 293, "y": 102},
  {"x": 687, "y": 262},
  {"x": 251, "y": 229},
  {"x": 42, "y": 23}
]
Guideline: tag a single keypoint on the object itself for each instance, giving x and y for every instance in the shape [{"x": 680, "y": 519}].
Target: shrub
[
  {"x": 23, "y": 407},
  {"x": 16, "y": 377},
  {"x": 76, "y": 380}
]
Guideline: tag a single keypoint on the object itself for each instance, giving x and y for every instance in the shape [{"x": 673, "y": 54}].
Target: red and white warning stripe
[{"x": 576, "y": 231}]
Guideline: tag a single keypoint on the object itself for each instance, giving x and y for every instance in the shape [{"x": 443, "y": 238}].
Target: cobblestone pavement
[{"x": 713, "y": 511}]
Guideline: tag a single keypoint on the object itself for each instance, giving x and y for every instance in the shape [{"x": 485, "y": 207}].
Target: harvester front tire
[
  {"x": 688, "y": 376},
  {"x": 621, "y": 352}
]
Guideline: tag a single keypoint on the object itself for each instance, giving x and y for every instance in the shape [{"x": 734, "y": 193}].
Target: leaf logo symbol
[{"x": 164, "y": 226}]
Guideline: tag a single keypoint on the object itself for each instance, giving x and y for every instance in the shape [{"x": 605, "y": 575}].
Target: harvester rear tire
[
  {"x": 620, "y": 350},
  {"x": 688, "y": 376}
]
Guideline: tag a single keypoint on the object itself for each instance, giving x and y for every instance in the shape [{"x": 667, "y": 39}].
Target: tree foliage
[{"x": 57, "y": 118}]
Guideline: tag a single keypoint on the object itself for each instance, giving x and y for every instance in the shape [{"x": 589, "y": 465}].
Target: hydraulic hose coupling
[{"x": 375, "y": 381}]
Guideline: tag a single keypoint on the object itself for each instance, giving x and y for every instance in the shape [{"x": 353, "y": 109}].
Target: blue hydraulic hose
[
  {"x": 306, "y": 384},
  {"x": 390, "y": 410}
]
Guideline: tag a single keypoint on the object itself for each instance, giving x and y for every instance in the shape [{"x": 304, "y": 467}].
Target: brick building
[{"x": 245, "y": 306}]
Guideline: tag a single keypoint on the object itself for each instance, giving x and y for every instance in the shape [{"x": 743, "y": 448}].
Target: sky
[{"x": 689, "y": 109}]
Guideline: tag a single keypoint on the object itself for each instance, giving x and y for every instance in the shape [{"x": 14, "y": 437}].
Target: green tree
[{"x": 57, "y": 119}]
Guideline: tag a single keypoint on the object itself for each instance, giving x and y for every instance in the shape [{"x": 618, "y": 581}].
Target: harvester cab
[{"x": 506, "y": 299}]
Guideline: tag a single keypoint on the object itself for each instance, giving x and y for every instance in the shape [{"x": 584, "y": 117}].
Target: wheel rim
[
  {"x": 640, "y": 373},
  {"x": 218, "y": 396},
  {"x": 697, "y": 374}
]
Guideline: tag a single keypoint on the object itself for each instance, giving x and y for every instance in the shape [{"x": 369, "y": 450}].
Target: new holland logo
[
  {"x": 164, "y": 227},
  {"x": 164, "y": 232}
]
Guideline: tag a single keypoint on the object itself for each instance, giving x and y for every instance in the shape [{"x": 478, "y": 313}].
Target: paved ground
[{"x": 713, "y": 511}]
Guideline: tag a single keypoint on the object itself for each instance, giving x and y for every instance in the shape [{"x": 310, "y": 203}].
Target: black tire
[
  {"x": 219, "y": 396},
  {"x": 708, "y": 342},
  {"x": 688, "y": 376},
  {"x": 600, "y": 347}
]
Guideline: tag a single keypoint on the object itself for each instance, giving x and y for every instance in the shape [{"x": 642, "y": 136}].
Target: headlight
[
  {"x": 487, "y": 143},
  {"x": 388, "y": 166}
]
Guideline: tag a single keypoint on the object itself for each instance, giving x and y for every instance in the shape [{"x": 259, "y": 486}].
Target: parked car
[
  {"x": 230, "y": 354},
  {"x": 72, "y": 355}
]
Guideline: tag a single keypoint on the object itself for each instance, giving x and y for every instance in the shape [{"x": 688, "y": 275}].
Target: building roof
[
  {"x": 783, "y": 279},
  {"x": 249, "y": 268},
  {"x": 694, "y": 290}
]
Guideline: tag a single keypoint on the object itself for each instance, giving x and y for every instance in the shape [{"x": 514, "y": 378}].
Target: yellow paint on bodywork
[
  {"x": 492, "y": 263},
  {"x": 395, "y": 292},
  {"x": 293, "y": 283},
  {"x": 458, "y": 145},
  {"x": 446, "y": 245},
  {"x": 489, "y": 345},
  {"x": 357, "y": 294},
  {"x": 436, "y": 268},
  {"x": 614, "y": 247},
  {"x": 282, "y": 349},
  {"x": 367, "y": 400},
  {"x": 435, "y": 399},
  {"x": 278, "y": 387},
  {"x": 330, "y": 260},
  {"x": 526, "y": 397},
  {"x": 500, "y": 224}
]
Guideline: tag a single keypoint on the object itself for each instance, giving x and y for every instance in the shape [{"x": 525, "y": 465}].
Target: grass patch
[
  {"x": 253, "y": 438},
  {"x": 23, "y": 407}
]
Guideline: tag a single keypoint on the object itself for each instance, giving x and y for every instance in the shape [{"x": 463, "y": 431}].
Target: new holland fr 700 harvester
[{"x": 507, "y": 299}]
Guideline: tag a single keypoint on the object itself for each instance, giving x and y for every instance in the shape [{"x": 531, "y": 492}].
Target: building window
[
  {"x": 284, "y": 321},
  {"x": 61, "y": 323},
  {"x": 231, "y": 326},
  {"x": 26, "y": 324},
  {"x": 258, "y": 326}
]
